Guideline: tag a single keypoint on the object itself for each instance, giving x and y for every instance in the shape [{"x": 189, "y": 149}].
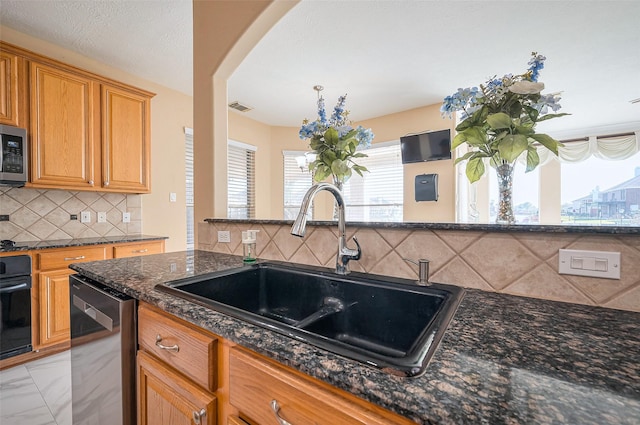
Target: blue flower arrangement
[
  {"x": 498, "y": 119},
  {"x": 336, "y": 143}
]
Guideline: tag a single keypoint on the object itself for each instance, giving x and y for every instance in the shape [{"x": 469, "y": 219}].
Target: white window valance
[{"x": 604, "y": 147}]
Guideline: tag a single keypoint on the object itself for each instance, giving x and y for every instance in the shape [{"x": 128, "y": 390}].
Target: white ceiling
[{"x": 389, "y": 56}]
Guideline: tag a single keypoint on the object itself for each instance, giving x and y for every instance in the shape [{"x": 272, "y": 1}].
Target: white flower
[{"x": 526, "y": 87}]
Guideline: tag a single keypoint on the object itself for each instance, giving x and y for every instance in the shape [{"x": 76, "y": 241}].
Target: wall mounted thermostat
[{"x": 426, "y": 187}]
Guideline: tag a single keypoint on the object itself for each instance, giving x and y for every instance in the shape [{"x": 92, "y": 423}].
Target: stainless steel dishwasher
[{"x": 103, "y": 344}]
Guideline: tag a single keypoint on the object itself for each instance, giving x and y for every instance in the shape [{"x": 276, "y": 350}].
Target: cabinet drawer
[
  {"x": 135, "y": 250},
  {"x": 256, "y": 383},
  {"x": 188, "y": 350},
  {"x": 61, "y": 258}
]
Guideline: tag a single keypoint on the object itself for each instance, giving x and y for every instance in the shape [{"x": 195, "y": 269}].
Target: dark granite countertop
[
  {"x": 66, "y": 243},
  {"x": 486, "y": 227},
  {"x": 503, "y": 360}
]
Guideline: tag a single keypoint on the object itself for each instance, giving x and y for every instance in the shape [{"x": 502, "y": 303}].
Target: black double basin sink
[{"x": 390, "y": 323}]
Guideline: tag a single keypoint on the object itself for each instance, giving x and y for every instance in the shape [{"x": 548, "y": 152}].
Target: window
[
  {"x": 601, "y": 192},
  {"x": 296, "y": 183},
  {"x": 378, "y": 195},
  {"x": 188, "y": 139},
  {"x": 241, "y": 180}
]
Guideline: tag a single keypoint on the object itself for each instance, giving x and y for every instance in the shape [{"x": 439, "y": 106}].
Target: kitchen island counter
[{"x": 503, "y": 360}]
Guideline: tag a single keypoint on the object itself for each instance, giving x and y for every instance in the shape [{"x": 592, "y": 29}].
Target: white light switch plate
[
  {"x": 102, "y": 217},
  {"x": 224, "y": 236},
  {"x": 173, "y": 197},
  {"x": 126, "y": 217},
  {"x": 604, "y": 264},
  {"x": 85, "y": 217}
]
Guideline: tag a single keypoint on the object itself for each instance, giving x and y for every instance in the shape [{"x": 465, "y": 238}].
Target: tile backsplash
[
  {"x": 37, "y": 214},
  {"x": 518, "y": 263}
]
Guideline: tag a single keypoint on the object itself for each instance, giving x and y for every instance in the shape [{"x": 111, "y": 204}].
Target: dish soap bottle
[{"x": 249, "y": 246}]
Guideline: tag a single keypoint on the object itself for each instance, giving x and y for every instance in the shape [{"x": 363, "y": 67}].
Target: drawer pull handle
[
  {"x": 174, "y": 348},
  {"x": 139, "y": 251},
  {"x": 199, "y": 416},
  {"x": 276, "y": 411},
  {"x": 79, "y": 257}
]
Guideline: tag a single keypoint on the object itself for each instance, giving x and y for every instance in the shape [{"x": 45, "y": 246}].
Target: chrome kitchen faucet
[{"x": 299, "y": 226}]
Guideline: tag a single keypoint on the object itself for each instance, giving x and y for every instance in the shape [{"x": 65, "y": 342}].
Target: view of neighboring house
[{"x": 618, "y": 202}]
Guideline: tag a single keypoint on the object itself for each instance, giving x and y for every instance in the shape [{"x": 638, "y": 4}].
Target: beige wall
[
  {"x": 170, "y": 112},
  {"x": 223, "y": 33},
  {"x": 386, "y": 128}
]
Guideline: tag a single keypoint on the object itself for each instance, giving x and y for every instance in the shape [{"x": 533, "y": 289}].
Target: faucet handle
[{"x": 359, "y": 251}]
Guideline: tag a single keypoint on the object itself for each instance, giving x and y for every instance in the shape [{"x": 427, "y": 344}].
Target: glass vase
[{"x": 505, "y": 188}]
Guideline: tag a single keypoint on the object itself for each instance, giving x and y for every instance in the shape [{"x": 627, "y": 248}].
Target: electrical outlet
[
  {"x": 102, "y": 217},
  {"x": 173, "y": 197},
  {"x": 224, "y": 236},
  {"x": 85, "y": 217},
  {"x": 126, "y": 217}
]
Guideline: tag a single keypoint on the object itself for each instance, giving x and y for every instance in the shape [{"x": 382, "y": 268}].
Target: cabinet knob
[
  {"x": 174, "y": 348},
  {"x": 276, "y": 411},
  {"x": 91, "y": 182},
  {"x": 198, "y": 417},
  {"x": 106, "y": 183}
]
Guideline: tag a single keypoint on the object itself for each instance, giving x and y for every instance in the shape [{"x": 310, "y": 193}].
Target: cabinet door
[
  {"x": 10, "y": 79},
  {"x": 126, "y": 140},
  {"x": 167, "y": 398},
  {"x": 53, "y": 293},
  {"x": 62, "y": 128}
]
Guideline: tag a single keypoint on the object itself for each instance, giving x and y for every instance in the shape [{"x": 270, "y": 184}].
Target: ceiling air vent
[{"x": 239, "y": 106}]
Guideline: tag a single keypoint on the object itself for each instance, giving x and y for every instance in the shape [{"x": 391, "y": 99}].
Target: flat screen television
[{"x": 430, "y": 146}]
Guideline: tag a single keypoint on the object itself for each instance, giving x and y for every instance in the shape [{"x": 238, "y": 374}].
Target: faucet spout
[{"x": 345, "y": 254}]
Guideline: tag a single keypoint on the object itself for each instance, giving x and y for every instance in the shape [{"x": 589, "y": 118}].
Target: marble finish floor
[{"x": 37, "y": 393}]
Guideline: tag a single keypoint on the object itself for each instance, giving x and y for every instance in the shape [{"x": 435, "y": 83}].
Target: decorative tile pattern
[
  {"x": 38, "y": 215},
  {"x": 519, "y": 263}
]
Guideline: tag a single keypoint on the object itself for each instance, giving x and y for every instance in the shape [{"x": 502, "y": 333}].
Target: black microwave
[{"x": 14, "y": 158}]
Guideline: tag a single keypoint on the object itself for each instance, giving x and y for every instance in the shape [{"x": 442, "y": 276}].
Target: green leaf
[
  {"x": 359, "y": 155},
  {"x": 550, "y": 116},
  {"x": 532, "y": 159},
  {"x": 339, "y": 167},
  {"x": 331, "y": 136},
  {"x": 512, "y": 146},
  {"x": 475, "y": 136},
  {"x": 464, "y": 157},
  {"x": 475, "y": 169},
  {"x": 458, "y": 139},
  {"x": 546, "y": 141},
  {"x": 499, "y": 121},
  {"x": 322, "y": 172}
]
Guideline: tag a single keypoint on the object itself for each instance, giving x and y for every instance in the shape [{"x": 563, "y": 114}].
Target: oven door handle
[{"x": 14, "y": 288}]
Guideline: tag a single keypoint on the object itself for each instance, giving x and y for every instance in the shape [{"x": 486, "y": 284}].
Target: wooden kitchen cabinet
[
  {"x": 138, "y": 249},
  {"x": 51, "y": 284},
  {"x": 126, "y": 140},
  {"x": 86, "y": 132},
  {"x": 177, "y": 371},
  {"x": 247, "y": 383},
  {"x": 51, "y": 303},
  {"x": 167, "y": 398},
  {"x": 63, "y": 128},
  {"x": 267, "y": 392},
  {"x": 12, "y": 89}
]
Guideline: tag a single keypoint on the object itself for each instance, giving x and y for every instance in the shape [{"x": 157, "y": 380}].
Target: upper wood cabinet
[
  {"x": 63, "y": 127},
  {"x": 12, "y": 89},
  {"x": 86, "y": 132},
  {"x": 126, "y": 147}
]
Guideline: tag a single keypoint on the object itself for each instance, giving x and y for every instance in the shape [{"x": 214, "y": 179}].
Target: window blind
[
  {"x": 188, "y": 138},
  {"x": 296, "y": 184},
  {"x": 378, "y": 195},
  {"x": 241, "y": 181}
]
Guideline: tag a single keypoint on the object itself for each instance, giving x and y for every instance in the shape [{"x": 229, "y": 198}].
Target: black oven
[{"x": 15, "y": 305}]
